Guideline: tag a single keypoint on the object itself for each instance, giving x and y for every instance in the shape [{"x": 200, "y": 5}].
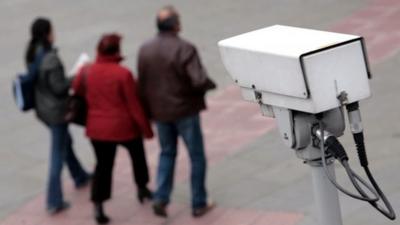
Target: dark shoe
[
  {"x": 144, "y": 193},
  {"x": 197, "y": 212},
  {"x": 99, "y": 215},
  {"x": 160, "y": 209},
  {"x": 58, "y": 209},
  {"x": 84, "y": 183}
]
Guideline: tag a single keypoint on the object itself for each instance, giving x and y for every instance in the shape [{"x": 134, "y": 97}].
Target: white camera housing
[{"x": 298, "y": 69}]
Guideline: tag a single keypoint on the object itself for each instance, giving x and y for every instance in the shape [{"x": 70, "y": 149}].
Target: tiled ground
[
  {"x": 229, "y": 122},
  {"x": 379, "y": 25}
]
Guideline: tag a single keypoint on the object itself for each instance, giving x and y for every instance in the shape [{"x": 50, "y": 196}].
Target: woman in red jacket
[{"x": 115, "y": 117}]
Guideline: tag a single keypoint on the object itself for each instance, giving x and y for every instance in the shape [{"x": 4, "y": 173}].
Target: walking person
[
  {"x": 51, "y": 92},
  {"x": 173, "y": 83},
  {"x": 115, "y": 117}
]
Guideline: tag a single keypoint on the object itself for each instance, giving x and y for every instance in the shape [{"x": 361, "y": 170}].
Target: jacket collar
[
  {"x": 109, "y": 58},
  {"x": 167, "y": 34}
]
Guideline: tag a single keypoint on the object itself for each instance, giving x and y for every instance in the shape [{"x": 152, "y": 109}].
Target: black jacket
[{"x": 51, "y": 90}]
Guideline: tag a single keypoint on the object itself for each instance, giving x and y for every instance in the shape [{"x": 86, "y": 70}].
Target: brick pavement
[
  {"x": 229, "y": 122},
  {"x": 379, "y": 23}
]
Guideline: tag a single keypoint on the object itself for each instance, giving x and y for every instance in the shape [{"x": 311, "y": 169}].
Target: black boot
[
  {"x": 144, "y": 193},
  {"x": 99, "y": 215},
  {"x": 160, "y": 209}
]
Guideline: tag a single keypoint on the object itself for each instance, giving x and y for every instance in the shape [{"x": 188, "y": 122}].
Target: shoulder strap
[{"x": 33, "y": 68}]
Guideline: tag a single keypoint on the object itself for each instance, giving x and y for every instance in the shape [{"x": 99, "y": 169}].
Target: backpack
[{"x": 23, "y": 86}]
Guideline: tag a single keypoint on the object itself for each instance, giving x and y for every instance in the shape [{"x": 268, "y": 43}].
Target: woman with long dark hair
[{"x": 51, "y": 92}]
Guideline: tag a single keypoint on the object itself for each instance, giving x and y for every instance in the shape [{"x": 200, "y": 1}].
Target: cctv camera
[{"x": 298, "y": 69}]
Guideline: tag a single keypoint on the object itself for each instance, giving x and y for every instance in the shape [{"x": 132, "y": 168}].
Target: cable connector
[
  {"x": 362, "y": 153},
  {"x": 334, "y": 147}
]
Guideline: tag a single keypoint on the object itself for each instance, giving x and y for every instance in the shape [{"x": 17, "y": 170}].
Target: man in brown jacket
[{"x": 173, "y": 82}]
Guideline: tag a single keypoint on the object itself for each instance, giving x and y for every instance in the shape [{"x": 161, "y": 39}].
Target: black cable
[
  {"x": 331, "y": 179},
  {"x": 338, "y": 151},
  {"x": 362, "y": 153},
  {"x": 358, "y": 135},
  {"x": 388, "y": 212},
  {"x": 354, "y": 178}
]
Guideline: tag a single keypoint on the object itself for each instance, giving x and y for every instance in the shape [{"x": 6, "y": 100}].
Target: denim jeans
[
  {"x": 61, "y": 151},
  {"x": 190, "y": 131}
]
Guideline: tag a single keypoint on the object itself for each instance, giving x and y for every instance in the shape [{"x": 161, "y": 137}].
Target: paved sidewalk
[
  {"x": 229, "y": 122},
  {"x": 379, "y": 24}
]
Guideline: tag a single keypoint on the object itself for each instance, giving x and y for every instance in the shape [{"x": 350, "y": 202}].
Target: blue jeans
[
  {"x": 61, "y": 151},
  {"x": 190, "y": 131}
]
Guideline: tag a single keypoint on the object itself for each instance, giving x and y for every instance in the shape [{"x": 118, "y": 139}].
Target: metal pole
[{"x": 326, "y": 195}]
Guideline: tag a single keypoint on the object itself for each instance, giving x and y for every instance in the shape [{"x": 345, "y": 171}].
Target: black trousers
[{"x": 105, "y": 154}]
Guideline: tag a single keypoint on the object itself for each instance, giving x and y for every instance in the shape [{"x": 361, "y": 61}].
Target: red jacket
[{"x": 114, "y": 110}]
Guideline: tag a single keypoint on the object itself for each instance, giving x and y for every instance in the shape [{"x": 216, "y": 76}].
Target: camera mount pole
[
  {"x": 298, "y": 132},
  {"x": 325, "y": 193}
]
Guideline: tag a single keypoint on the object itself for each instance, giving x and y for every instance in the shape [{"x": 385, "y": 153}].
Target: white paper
[{"x": 82, "y": 60}]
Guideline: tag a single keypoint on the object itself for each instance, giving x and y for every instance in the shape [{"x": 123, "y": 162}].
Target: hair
[
  {"x": 109, "y": 44},
  {"x": 169, "y": 23},
  {"x": 40, "y": 30}
]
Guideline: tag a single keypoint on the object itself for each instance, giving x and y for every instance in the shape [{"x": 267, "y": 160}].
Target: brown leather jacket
[{"x": 172, "y": 80}]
